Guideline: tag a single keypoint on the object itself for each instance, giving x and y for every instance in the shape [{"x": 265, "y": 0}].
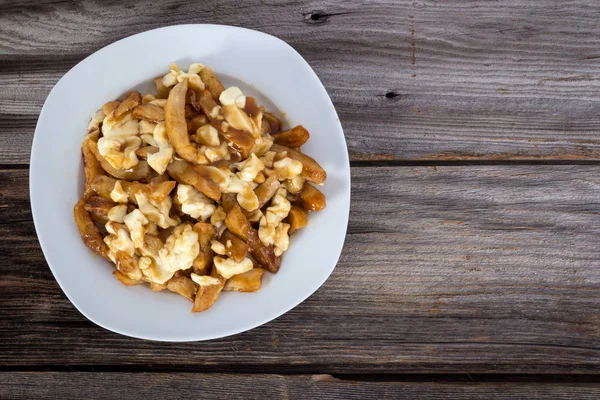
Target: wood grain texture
[
  {"x": 445, "y": 269},
  {"x": 45, "y": 385},
  {"x": 411, "y": 80}
]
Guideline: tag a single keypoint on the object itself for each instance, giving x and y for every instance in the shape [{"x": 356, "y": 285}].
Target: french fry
[
  {"x": 235, "y": 247},
  {"x": 109, "y": 107},
  {"x": 91, "y": 165},
  {"x": 148, "y": 112},
  {"x": 264, "y": 255},
  {"x": 161, "y": 90},
  {"x": 177, "y": 125},
  {"x": 311, "y": 170},
  {"x": 266, "y": 190},
  {"x": 158, "y": 287},
  {"x": 203, "y": 263},
  {"x": 143, "y": 152},
  {"x": 237, "y": 223},
  {"x": 184, "y": 286},
  {"x": 293, "y": 138},
  {"x": 297, "y": 219},
  {"x": 239, "y": 141},
  {"x": 127, "y": 265},
  {"x": 125, "y": 280},
  {"x": 132, "y": 100},
  {"x": 90, "y": 235},
  {"x": 140, "y": 171},
  {"x": 158, "y": 191},
  {"x": 196, "y": 122},
  {"x": 210, "y": 107},
  {"x": 98, "y": 207},
  {"x": 184, "y": 172},
  {"x": 274, "y": 122},
  {"x": 208, "y": 292},
  {"x": 214, "y": 85},
  {"x": 311, "y": 198},
  {"x": 247, "y": 282}
]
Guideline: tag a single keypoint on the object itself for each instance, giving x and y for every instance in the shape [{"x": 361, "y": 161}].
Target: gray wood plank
[
  {"x": 445, "y": 269},
  {"x": 44, "y": 385},
  {"x": 411, "y": 80}
]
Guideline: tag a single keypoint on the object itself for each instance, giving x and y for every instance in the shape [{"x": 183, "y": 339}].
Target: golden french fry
[
  {"x": 158, "y": 287},
  {"x": 293, "y": 138},
  {"x": 177, "y": 125},
  {"x": 143, "y": 152},
  {"x": 235, "y": 247},
  {"x": 297, "y": 219},
  {"x": 132, "y": 100},
  {"x": 161, "y": 90},
  {"x": 88, "y": 230},
  {"x": 210, "y": 107},
  {"x": 125, "y": 280},
  {"x": 240, "y": 141},
  {"x": 266, "y": 190},
  {"x": 311, "y": 170},
  {"x": 196, "y": 122},
  {"x": 184, "y": 172},
  {"x": 207, "y": 295},
  {"x": 274, "y": 122},
  {"x": 237, "y": 223},
  {"x": 91, "y": 165},
  {"x": 311, "y": 198},
  {"x": 264, "y": 255},
  {"x": 203, "y": 263},
  {"x": 182, "y": 285},
  {"x": 156, "y": 190},
  {"x": 109, "y": 107},
  {"x": 99, "y": 204},
  {"x": 214, "y": 85},
  {"x": 148, "y": 112},
  {"x": 250, "y": 281},
  {"x": 140, "y": 171}
]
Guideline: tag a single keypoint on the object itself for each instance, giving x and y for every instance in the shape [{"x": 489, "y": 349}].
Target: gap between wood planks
[{"x": 322, "y": 377}]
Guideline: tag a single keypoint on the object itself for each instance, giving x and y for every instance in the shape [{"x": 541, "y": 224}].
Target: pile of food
[{"x": 194, "y": 189}]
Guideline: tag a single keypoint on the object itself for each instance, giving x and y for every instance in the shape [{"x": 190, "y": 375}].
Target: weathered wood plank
[
  {"x": 447, "y": 269},
  {"x": 44, "y": 385},
  {"x": 418, "y": 80}
]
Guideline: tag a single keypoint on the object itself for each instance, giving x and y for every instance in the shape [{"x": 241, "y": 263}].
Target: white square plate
[{"x": 256, "y": 62}]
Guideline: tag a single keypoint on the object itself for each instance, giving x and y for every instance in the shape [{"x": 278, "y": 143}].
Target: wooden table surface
[{"x": 471, "y": 267}]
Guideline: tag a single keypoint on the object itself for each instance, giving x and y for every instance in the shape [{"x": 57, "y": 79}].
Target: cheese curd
[
  {"x": 218, "y": 247},
  {"x": 249, "y": 168},
  {"x": 218, "y": 217},
  {"x": 262, "y": 145},
  {"x": 147, "y": 128},
  {"x": 232, "y": 96},
  {"x": 161, "y": 159},
  {"x": 117, "y": 213},
  {"x": 282, "y": 239},
  {"x": 176, "y": 75},
  {"x": 135, "y": 222},
  {"x": 178, "y": 253},
  {"x": 287, "y": 168},
  {"x": 118, "y": 195},
  {"x": 118, "y": 240},
  {"x": 157, "y": 212},
  {"x": 208, "y": 135},
  {"x": 227, "y": 267},
  {"x": 120, "y": 128},
  {"x": 205, "y": 280},
  {"x": 295, "y": 184},
  {"x": 96, "y": 120},
  {"x": 245, "y": 193},
  {"x": 194, "y": 203},
  {"x": 279, "y": 209}
]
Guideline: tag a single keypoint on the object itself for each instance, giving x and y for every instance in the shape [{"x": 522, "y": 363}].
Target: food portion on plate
[{"x": 194, "y": 189}]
